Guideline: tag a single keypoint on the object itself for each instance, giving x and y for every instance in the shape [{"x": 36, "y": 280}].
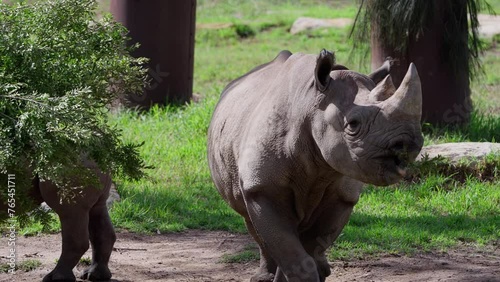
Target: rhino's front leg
[
  {"x": 267, "y": 267},
  {"x": 277, "y": 228},
  {"x": 75, "y": 242},
  {"x": 324, "y": 232}
]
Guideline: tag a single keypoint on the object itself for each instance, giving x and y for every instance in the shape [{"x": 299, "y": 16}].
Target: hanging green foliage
[
  {"x": 60, "y": 67},
  {"x": 396, "y": 23}
]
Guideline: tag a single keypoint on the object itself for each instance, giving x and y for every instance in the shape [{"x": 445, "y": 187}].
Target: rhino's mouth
[
  {"x": 394, "y": 164},
  {"x": 401, "y": 166}
]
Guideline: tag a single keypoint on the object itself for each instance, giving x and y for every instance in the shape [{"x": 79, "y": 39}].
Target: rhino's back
[
  {"x": 241, "y": 100},
  {"x": 249, "y": 96}
]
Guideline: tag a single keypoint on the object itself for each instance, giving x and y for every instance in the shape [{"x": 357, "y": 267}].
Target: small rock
[
  {"x": 113, "y": 196},
  {"x": 304, "y": 23},
  {"x": 45, "y": 207},
  {"x": 489, "y": 25}
]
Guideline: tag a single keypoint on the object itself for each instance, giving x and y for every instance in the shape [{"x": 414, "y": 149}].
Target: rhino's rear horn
[
  {"x": 383, "y": 90},
  {"x": 324, "y": 65}
]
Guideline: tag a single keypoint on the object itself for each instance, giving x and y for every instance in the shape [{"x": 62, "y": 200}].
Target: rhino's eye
[
  {"x": 353, "y": 123},
  {"x": 352, "y": 127}
]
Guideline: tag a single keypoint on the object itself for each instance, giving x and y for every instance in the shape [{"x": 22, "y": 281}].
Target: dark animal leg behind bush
[
  {"x": 75, "y": 242},
  {"x": 102, "y": 238}
]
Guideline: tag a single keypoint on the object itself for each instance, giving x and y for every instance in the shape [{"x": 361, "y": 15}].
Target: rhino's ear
[
  {"x": 380, "y": 73},
  {"x": 339, "y": 67},
  {"x": 324, "y": 65}
]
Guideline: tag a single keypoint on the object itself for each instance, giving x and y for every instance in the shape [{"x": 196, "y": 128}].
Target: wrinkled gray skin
[
  {"x": 86, "y": 218},
  {"x": 291, "y": 143}
]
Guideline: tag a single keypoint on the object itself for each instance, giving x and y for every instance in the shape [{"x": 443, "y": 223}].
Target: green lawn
[{"x": 434, "y": 214}]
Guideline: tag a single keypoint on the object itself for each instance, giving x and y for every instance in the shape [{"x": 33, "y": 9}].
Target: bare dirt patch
[{"x": 196, "y": 256}]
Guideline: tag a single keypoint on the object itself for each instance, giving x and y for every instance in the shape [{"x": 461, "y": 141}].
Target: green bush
[
  {"x": 243, "y": 30},
  {"x": 60, "y": 67}
]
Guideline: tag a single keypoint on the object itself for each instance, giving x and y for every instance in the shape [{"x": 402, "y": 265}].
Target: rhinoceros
[
  {"x": 83, "y": 218},
  {"x": 291, "y": 143}
]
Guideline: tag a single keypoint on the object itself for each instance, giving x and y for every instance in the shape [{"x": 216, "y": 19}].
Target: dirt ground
[{"x": 196, "y": 256}]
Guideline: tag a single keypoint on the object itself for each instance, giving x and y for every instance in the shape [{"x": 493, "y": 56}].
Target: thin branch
[
  {"x": 26, "y": 99},
  {"x": 13, "y": 119}
]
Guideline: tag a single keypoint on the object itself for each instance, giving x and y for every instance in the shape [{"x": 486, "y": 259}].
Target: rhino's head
[{"x": 364, "y": 127}]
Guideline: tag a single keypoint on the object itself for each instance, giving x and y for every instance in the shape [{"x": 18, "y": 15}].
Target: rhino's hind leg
[
  {"x": 75, "y": 242},
  {"x": 268, "y": 266},
  {"x": 102, "y": 238}
]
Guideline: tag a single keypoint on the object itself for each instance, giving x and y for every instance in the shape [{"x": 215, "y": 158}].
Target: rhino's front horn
[{"x": 407, "y": 100}]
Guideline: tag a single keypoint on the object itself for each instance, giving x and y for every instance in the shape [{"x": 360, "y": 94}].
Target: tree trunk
[
  {"x": 446, "y": 91},
  {"x": 165, "y": 31}
]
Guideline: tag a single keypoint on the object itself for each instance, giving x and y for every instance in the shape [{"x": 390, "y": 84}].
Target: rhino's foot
[
  {"x": 96, "y": 272},
  {"x": 55, "y": 276},
  {"x": 262, "y": 277},
  {"x": 323, "y": 269}
]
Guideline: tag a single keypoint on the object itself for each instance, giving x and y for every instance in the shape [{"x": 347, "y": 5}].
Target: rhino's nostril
[{"x": 398, "y": 147}]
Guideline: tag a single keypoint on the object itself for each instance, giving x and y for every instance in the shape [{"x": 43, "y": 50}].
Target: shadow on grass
[
  {"x": 367, "y": 235},
  {"x": 172, "y": 209}
]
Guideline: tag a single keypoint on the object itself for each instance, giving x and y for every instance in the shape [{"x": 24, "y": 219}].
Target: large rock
[
  {"x": 489, "y": 25},
  {"x": 455, "y": 152},
  {"x": 303, "y": 23}
]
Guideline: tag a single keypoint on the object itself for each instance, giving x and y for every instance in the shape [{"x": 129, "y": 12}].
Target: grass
[
  {"x": 178, "y": 193},
  {"x": 483, "y": 127},
  {"x": 485, "y": 91},
  {"x": 249, "y": 253},
  {"x": 433, "y": 214},
  {"x": 485, "y": 169},
  {"x": 25, "y": 265},
  {"x": 85, "y": 262},
  {"x": 495, "y": 4},
  {"x": 210, "y": 11}
]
